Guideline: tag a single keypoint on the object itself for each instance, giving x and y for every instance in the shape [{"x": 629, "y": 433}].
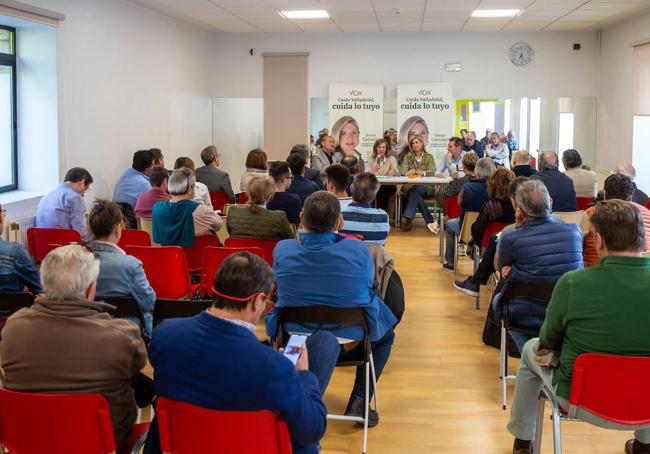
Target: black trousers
[
  {"x": 486, "y": 265},
  {"x": 385, "y": 191}
]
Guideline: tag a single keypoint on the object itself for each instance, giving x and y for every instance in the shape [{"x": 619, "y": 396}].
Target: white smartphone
[{"x": 292, "y": 349}]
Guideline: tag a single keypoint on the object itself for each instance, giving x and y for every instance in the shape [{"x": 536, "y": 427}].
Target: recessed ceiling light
[
  {"x": 495, "y": 12},
  {"x": 306, "y": 14}
]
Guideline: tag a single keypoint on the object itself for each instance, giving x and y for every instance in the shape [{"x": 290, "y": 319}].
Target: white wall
[
  {"x": 129, "y": 78},
  {"x": 616, "y": 90},
  {"x": 391, "y": 58}
]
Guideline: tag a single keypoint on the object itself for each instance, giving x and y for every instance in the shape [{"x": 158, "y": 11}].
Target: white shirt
[{"x": 201, "y": 194}]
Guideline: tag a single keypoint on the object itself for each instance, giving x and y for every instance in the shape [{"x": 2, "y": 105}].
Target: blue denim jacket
[
  {"x": 17, "y": 269},
  {"x": 123, "y": 275}
]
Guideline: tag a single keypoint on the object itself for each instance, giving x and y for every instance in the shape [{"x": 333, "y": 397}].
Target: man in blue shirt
[
  {"x": 452, "y": 163},
  {"x": 513, "y": 143},
  {"x": 214, "y": 360},
  {"x": 359, "y": 217},
  {"x": 16, "y": 268},
  {"x": 471, "y": 144},
  {"x": 300, "y": 186},
  {"x": 64, "y": 208},
  {"x": 324, "y": 268},
  {"x": 560, "y": 186},
  {"x": 135, "y": 180},
  {"x": 282, "y": 200}
]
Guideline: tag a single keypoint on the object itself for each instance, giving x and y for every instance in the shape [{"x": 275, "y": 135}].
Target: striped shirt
[{"x": 362, "y": 219}]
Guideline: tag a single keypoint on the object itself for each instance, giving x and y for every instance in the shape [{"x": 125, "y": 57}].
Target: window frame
[{"x": 10, "y": 60}]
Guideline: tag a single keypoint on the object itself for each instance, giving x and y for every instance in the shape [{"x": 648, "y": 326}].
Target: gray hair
[
  {"x": 484, "y": 168},
  {"x": 302, "y": 149},
  {"x": 68, "y": 271},
  {"x": 533, "y": 198},
  {"x": 548, "y": 160},
  {"x": 626, "y": 169},
  {"x": 521, "y": 157},
  {"x": 180, "y": 181},
  {"x": 365, "y": 187}
]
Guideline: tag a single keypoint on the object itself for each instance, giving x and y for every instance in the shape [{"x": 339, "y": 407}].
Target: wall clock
[{"x": 521, "y": 54}]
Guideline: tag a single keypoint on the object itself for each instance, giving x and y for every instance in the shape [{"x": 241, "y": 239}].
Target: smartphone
[{"x": 292, "y": 349}]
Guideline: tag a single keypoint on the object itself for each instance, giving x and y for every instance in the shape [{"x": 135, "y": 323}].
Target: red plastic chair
[
  {"x": 60, "y": 424},
  {"x": 583, "y": 202},
  {"x": 242, "y": 197},
  {"x": 452, "y": 209},
  {"x": 213, "y": 257},
  {"x": 491, "y": 229},
  {"x": 165, "y": 268},
  {"x": 614, "y": 388},
  {"x": 533, "y": 162},
  {"x": 186, "y": 428},
  {"x": 39, "y": 238},
  {"x": 647, "y": 204},
  {"x": 219, "y": 199},
  {"x": 267, "y": 246},
  {"x": 133, "y": 237},
  {"x": 194, "y": 253}
]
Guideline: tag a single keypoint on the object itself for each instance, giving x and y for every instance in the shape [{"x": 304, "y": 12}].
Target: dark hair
[
  {"x": 184, "y": 161},
  {"x": 619, "y": 186},
  {"x": 157, "y": 176},
  {"x": 256, "y": 159},
  {"x": 209, "y": 154},
  {"x": 156, "y": 153},
  {"x": 300, "y": 148},
  {"x": 498, "y": 183},
  {"x": 571, "y": 159},
  {"x": 365, "y": 188},
  {"x": 103, "y": 218},
  {"x": 514, "y": 185},
  {"x": 352, "y": 163},
  {"x": 620, "y": 224},
  {"x": 339, "y": 176},
  {"x": 321, "y": 212},
  {"x": 458, "y": 142},
  {"x": 297, "y": 163},
  {"x": 76, "y": 174},
  {"x": 142, "y": 160},
  {"x": 279, "y": 170},
  {"x": 242, "y": 274}
]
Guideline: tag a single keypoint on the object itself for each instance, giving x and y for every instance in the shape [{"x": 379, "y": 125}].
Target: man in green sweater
[{"x": 603, "y": 309}]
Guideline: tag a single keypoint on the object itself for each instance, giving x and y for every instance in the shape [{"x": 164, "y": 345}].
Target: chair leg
[
  {"x": 366, "y": 399},
  {"x": 374, "y": 382},
  {"x": 504, "y": 366},
  {"x": 477, "y": 257},
  {"x": 539, "y": 424},
  {"x": 442, "y": 236},
  {"x": 455, "y": 258}
]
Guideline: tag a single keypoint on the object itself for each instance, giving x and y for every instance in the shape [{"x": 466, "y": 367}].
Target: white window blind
[{"x": 642, "y": 79}]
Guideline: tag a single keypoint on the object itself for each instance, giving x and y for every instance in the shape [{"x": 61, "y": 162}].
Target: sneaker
[
  {"x": 434, "y": 227},
  {"x": 448, "y": 267},
  {"x": 636, "y": 447},
  {"x": 462, "y": 250},
  {"x": 468, "y": 286},
  {"x": 355, "y": 408}
]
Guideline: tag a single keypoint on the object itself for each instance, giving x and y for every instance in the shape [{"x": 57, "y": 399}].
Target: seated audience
[
  {"x": 119, "y": 274},
  {"x": 133, "y": 182},
  {"x": 521, "y": 164},
  {"x": 471, "y": 285},
  {"x": 338, "y": 178},
  {"x": 471, "y": 198},
  {"x": 498, "y": 151},
  {"x": 452, "y": 165},
  {"x": 64, "y": 208},
  {"x": 179, "y": 221},
  {"x": 201, "y": 193},
  {"x": 300, "y": 185},
  {"x": 282, "y": 200},
  {"x": 352, "y": 164},
  {"x": 324, "y": 268},
  {"x": 620, "y": 187},
  {"x": 585, "y": 182},
  {"x": 158, "y": 158},
  {"x": 254, "y": 220},
  {"x": 485, "y": 141},
  {"x": 211, "y": 175},
  {"x": 628, "y": 170},
  {"x": 312, "y": 175},
  {"x": 17, "y": 272},
  {"x": 255, "y": 165},
  {"x": 65, "y": 342},
  {"x": 559, "y": 186},
  {"x": 382, "y": 163},
  {"x": 539, "y": 250},
  {"x": 236, "y": 372},
  {"x": 602, "y": 309},
  {"x": 359, "y": 217},
  {"x": 457, "y": 183},
  {"x": 417, "y": 163},
  {"x": 325, "y": 155},
  {"x": 158, "y": 178},
  {"x": 513, "y": 143},
  {"x": 471, "y": 144}
]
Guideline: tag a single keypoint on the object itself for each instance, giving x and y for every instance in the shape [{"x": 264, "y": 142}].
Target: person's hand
[
  {"x": 439, "y": 175},
  {"x": 505, "y": 271},
  {"x": 302, "y": 365},
  {"x": 454, "y": 174},
  {"x": 449, "y": 157},
  {"x": 411, "y": 172},
  {"x": 377, "y": 168},
  {"x": 419, "y": 173}
]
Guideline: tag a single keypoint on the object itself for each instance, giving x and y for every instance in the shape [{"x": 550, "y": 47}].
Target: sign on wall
[
  {"x": 426, "y": 110},
  {"x": 356, "y": 116}
]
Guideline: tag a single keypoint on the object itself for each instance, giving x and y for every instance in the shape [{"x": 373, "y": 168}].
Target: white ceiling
[{"x": 244, "y": 16}]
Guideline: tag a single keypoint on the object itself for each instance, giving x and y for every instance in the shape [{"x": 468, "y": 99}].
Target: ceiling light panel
[
  {"x": 497, "y": 13},
  {"x": 305, "y": 14}
]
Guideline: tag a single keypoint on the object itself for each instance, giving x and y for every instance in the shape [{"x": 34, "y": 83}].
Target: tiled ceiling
[{"x": 242, "y": 16}]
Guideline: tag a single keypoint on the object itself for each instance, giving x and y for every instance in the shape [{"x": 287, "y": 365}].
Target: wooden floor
[{"x": 440, "y": 392}]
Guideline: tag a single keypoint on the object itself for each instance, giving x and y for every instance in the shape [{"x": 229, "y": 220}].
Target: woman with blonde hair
[
  {"x": 414, "y": 126},
  {"x": 382, "y": 163},
  {"x": 417, "y": 163},
  {"x": 255, "y": 166},
  {"x": 254, "y": 220},
  {"x": 347, "y": 136},
  {"x": 201, "y": 193}
]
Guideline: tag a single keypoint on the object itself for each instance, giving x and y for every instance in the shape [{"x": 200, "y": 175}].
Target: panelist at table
[{"x": 417, "y": 163}]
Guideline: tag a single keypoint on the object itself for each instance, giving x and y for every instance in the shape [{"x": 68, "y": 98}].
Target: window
[
  {"x": 565, "y": 135},
  {"x": 8, "y": 173}
]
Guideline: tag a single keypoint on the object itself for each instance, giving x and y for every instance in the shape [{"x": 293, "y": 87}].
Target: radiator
[{"x": 17, "y": 229}]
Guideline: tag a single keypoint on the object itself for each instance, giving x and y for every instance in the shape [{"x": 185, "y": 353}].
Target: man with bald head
[
  {"x": 521, "y": 164},
  {"x": 560, "y": 186}
]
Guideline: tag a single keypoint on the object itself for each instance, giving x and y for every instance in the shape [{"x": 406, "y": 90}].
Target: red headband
[{"x": 235, "y": 298}]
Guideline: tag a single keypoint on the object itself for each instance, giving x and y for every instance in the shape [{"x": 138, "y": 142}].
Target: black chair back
[
  {"x": 128, "y": 307},
  {"x": 166, "y": 308},
  {"x": 534, "y": 293},
  {"x": 13, "y": 302}
]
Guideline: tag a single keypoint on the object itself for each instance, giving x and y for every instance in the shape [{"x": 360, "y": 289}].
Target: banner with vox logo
[
  {"x": 426, "y": 110},
  {"x": 356, "y": 116}
]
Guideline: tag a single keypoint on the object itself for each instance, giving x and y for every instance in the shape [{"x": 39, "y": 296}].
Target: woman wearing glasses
[{"x": 347, "y": 136}]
